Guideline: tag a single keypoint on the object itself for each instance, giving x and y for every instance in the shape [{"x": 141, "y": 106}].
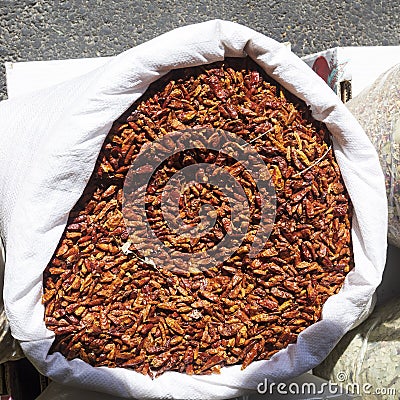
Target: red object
[{"x": 321, "y": 67}]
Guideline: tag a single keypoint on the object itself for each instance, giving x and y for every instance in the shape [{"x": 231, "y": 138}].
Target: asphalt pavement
[{"x": 44, "y": 30}]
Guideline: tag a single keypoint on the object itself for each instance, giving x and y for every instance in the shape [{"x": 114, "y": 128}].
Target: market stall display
[{"x": 60, "y": 161}]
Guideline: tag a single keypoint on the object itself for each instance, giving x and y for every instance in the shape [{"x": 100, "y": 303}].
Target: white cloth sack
[{"x": 49, "y": 144}]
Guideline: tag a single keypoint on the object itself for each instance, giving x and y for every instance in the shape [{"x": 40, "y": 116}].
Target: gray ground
[{"x": 43, "y": 30}]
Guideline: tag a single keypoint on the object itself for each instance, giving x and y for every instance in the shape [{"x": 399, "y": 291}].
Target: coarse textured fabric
[
  {"x": 50, "y": 142},
  {"x": 377, "y": 109},
  {"x": 369, "y": 354}
]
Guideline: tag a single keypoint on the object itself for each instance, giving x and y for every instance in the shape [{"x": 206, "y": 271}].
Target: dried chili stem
[{"x": 314, "y": 163}]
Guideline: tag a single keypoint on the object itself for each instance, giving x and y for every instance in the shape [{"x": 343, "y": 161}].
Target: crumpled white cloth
[{"x": 49, "y": 144}]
